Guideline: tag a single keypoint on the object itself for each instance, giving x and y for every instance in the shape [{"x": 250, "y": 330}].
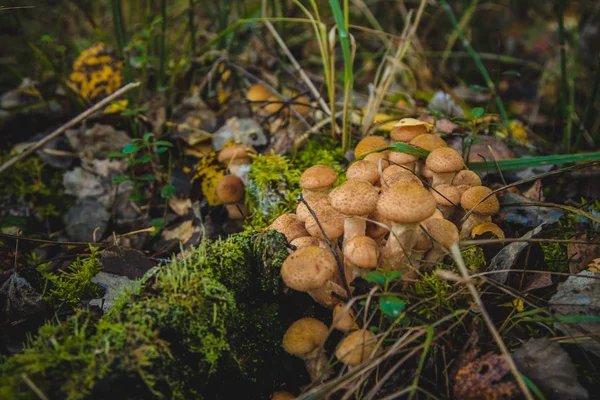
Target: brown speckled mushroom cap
[
  {"x": 396, "y": 174},
  {"x": 239, "y": 152},
  {"x": 377, "y": 230},
  {"x": 368, "y": 144},
  {"x": 313, "y": 198},
  {"x": 290, "y": 226},
  {"x": 305, "y": 337},
  {"x": 343, "y": 319},
  {"x": 444, "y": 160},
  {"x": 362, "y": 251},
  {"x": 305, "y": 241},
  {"x": 356, "y": 347},
  {"x": 466, "y": 177},
  {"x": 406, "y": 202},
  {"x": 408, "y": 128},
  {"x": 429, "y": 141},
  {"x": 474, "y": 195},
  {"x": 308, "y": 268},
  {"x": 318, "y": 177},
  {"x": 354, "y": 197},
  {"x": 230, "y": 189},
  {"x": 401, "y": 158},
  {"x": 330, "y": 219},
  {"x": 443, "y": 231},
  {"x": 363, "y": 170},
  {"x": 258, "y": 93},
  {"x": 446, "y": 195}
]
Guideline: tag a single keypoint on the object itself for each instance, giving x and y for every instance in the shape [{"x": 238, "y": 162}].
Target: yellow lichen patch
[
  {"x": 519, "y": 133},
  {"x": 116, "y": 107},
  {"x": 209, "y": 172},
  {"x": 96, "y": 72}
]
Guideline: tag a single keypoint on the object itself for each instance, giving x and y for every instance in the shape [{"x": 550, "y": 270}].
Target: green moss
[
  {"x": 70, "y": 286},
  {"x": 270, "y": 251},
  {"x": 323, "y": 150}
]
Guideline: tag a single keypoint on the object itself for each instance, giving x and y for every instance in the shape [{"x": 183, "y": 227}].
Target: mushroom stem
[
  {"x": 354, "y": 225},
  {"x": 442, "y": 178},
  {"x": 399, "y": 245},
  {"x": 317, "y": 367}
]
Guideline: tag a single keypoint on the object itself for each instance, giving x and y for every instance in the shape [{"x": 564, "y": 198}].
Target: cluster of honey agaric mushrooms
[{"x": 393, "y": 212}]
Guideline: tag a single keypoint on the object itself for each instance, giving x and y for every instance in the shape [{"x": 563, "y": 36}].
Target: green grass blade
[{"x": 507, "y": 165}]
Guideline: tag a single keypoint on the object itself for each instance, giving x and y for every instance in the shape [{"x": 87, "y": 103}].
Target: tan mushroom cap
[
  {"x": 308, "y": 268},
  {"x": 305, "y": 337},
  {"x": 466, "y": 177},
  {"x": 275, "y": 104},
  {"x": 258, "y": 93},
  {"x": 318, "y": 177},
  {"x": 408, "y": 128},
  {"x": 357, "y": 347},
  {"x": 330, "y": 219},
  {"x": 378, "y": 158},
  {"x": 302, "y": 105},
  {"x": 406, "y": 202},
  {"x": 444, "y": 160},
  {"x": 429, "y": 142},
  {"x": 396, "y": 174},
  {"x": 230, "y": 189},
  {"x": 487, "y": 227},
  {"x": 354, "y": 197},
  {"x": 290, "y": 226},
  {"x": 281, "y": 395},
  {"x": 442, "y": 230},
  {"x": 343, "y": 320},
  {"x": 363, "y": 170},
  {"x": 368, "y": 144},
  {"x": 236, "y": 152},
  {"x": 377, "y": 230},
  {"x": 401, "y": 158},
  {"x": 446, "y": 195},
  {"x": 305, "y": 241},
  {"x": 422, "y": 241},
  {"x": 474, "y": 195},
  {"x": 312, "y": 199},
  {"x": 362, "y": 251}
]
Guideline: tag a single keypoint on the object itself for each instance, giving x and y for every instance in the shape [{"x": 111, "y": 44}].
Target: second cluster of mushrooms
[{"x": 393, "y": 212}]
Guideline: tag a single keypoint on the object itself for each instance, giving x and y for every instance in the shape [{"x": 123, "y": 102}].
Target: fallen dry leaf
[
  {"x": 581, "y": 254},
  {"x": 482, "y": 379}
]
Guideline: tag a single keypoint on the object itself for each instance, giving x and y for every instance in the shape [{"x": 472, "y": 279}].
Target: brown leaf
[
  {"x": 581, "y": 254},
  {"x": 482, "y": 379}
]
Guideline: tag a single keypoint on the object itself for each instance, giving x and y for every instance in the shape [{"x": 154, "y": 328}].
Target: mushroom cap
[
  {"x": 487, "y": 227},
  {"x": 428, "y": 141},
  {"x": 282, "y": 395},
  {"x": 302, "y": 105},
  {"x": 401, "y": 158},
  {"x": 442, "y": 230},
  {"x": 356, "y": 347},
  {"x": 422, "y": 241},
  {"x": 474, "y": 195},
  {"x": 230, "y": 189},
  {"x": 305, "y": 241},
  {"x": 446, "y": 195},
  {"x": 408, "y": 128},
  {"x": 368, "y": 144},
  {"x": 374, "y": 230},
  {"x": 330, "y": 220},
  {"x": 312, "y": 199},
  {"x": 444, "y": 160},
  {"x": 354, "y": 197},
  {"x": 343, "y": 320},
  {"x": 235, "y": 152},
  {"x": 305, "y": 337},
  {"x": 275, "y": 104},
  {"x": 362, "y": 251},
  {"x": 308, "y": 268},
  {"x": 363, "y": 170},
  {"x": 406, "y": 202},
  {"x": 466, "y": 177},
  {"x": 376, "y": 158},
  {"x": 290, "y": 226},
  {"x": 258, "y": 93},
  {"x": 396, "y": 174},
  {"x": 318, "y": 177}
]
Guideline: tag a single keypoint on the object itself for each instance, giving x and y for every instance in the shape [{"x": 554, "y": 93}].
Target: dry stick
[
  {"x": 464, "y": 243},
  {"x": 33, "y": 387},
  {"x": 460, "y": 263},
  {"x": 68, "y": 125}
]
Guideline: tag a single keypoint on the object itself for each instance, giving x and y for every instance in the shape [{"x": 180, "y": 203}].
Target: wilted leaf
[
  {"x": 550, "y": 368},
  {"x": 481, "y": 379},
  {"x": 581, "y": 254}
]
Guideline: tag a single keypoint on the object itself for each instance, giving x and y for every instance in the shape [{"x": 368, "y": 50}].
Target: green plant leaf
[
  {"x": 146, "y": 177},
  {"x": 478, "y": 112},
  {"x": 374, "y": 277},
  {"x": 147, "y": 136},
  {"x": 479, "y": 88},
  {"x": 167, "y": 191},
  {"x": 160, "y": 150},
  {"x": 130, "y": 148},
  {"x": 392, "y": 275},
  {"x": 145, "y": 158},
  {"x": 163, "y": 143},
  {"x": 121, "y": 178},
  {"x": 512, "y": 72},
  {"x": 391, "y": 306},
  {"x": 407, "y": 148},
  {"x": 507, "y": 165}
]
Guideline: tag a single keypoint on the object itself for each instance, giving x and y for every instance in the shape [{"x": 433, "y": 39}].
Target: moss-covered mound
[{"x": 186, "y": 327}]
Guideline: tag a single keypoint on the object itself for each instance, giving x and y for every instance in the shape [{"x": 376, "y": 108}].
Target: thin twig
[
  {"x": 68, "y": 125},
  {"x": 460, "y": 263}
]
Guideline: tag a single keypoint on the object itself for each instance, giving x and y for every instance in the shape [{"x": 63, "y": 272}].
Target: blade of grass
[
  {"x": 530, "y": 162},
  {"x": 564, "y": 87},
  {"x": 490, "y": 84},
  {"x": 451, "y": 41},
  {"x": 588, "y": 115}
]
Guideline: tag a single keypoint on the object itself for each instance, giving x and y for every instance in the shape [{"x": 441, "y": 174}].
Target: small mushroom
[
  {"x": 290, "y": 226},
  {"x": 230, "y": 191},
  {"x": 257, "y": 96},
  {"x": 355, "y": 200},
  {"x": 318, "y": 178},
  {"x": 357, "y": 347},
  {"x": 408, "y": 128},
  {"x": 444, "y": 163},
  {"x": 344, "y": 318},
  {"x": 465, "y": 179},
  {"x": 444, "y": 233},
  {"x": 363, "y": 170},
  {"x": 305, "y": 339},
  {"x": 362, "y": 254},
  {"x": 482, "y": 212},
  {"x": 447, "y": 198},
  {"x": 236, "y": 158}
]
